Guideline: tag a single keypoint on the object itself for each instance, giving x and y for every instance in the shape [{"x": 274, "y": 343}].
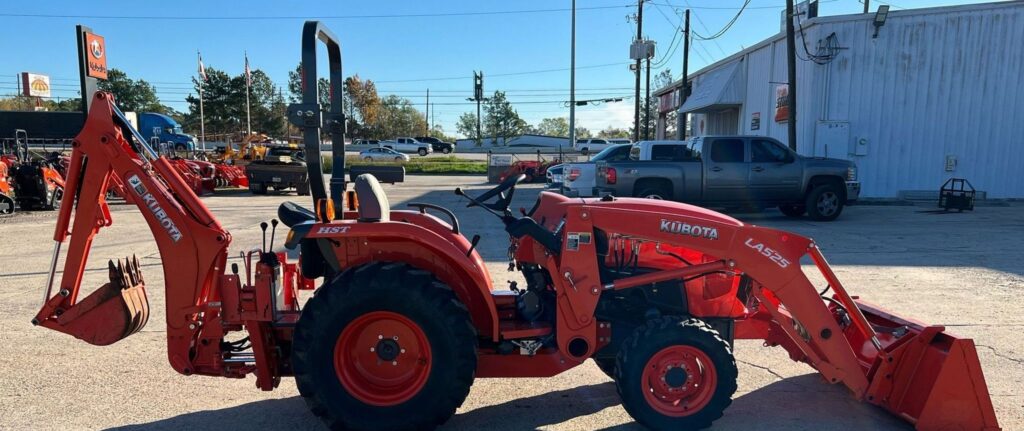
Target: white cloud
[{"x": 615, "y": 114}]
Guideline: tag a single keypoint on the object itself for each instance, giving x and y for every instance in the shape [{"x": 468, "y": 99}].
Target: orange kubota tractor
[{"x": 406, "y": 316}]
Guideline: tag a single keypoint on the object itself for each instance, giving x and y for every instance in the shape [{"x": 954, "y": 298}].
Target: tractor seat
[
  {"x": 373, "y": 203},
  {"x": 292, "y": 214}
]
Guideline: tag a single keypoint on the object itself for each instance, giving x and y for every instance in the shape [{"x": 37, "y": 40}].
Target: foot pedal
[{"x": 114, "y": 311}]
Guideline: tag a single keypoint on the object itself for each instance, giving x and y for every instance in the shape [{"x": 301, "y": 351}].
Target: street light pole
[
  {"x": 791, "y": 70},
  {"x": 572, "y": 80},
  {"x": 681, "y": 116},
  {"x": 636, "y": 97}
]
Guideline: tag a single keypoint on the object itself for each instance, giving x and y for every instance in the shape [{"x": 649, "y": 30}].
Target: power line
[
  {"x": 727, "y": 25},
  {"x": 530, "y": 72},
  {"x": 295, "y": 17}
]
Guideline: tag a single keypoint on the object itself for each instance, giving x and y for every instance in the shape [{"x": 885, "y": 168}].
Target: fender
[{"x": 421, "y": 247}]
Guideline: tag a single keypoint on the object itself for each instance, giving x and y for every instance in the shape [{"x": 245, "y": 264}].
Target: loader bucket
[
  {"x": 933, "y": 380},
  {"x": 114, "y": 311}
]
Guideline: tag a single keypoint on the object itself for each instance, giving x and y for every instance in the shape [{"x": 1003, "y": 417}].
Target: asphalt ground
[{"x": 963, "y": 271}]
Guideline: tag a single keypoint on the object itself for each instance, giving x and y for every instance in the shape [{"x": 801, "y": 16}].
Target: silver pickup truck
[{"x": 733, "y": 172}]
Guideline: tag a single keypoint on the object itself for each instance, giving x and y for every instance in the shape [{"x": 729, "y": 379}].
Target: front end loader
[{"x": 406, "y": 316}]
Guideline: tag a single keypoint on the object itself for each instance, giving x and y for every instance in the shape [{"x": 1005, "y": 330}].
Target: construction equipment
[
  {"x": 957, "y": 194},
  {"x": 37, "y": 184},
  {"x": 406, "y": 316},
  {"x": 6, "y": 201}
]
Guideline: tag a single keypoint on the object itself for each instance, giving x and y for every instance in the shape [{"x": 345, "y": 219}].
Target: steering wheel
[{"x": 504, "y": 199}]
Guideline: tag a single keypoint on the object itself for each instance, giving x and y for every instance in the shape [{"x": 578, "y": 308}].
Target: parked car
[
  {"x": 369, "y": 142},
  {"x": 383, "y": 155},
  {"x": 437, "y": 144},
  {"x": 731, "y": 172},
  {"x": 587, "y": 146},
  {"x": 579, "y": 179},
  {"x": 407, "y": 145},
  {"x": 553, "y": 177}
]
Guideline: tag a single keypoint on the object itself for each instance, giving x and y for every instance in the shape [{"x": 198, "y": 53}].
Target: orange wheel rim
[{"x": 382, "y": 358}]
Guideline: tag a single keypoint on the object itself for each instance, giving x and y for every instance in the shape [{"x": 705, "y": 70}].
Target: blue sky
[{"x": 405, "y": 55}]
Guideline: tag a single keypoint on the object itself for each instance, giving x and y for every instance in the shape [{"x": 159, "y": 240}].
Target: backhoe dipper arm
[{"x": 192, "y": 244}]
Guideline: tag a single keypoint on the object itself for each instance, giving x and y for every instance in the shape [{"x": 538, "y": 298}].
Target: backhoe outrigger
[{"x": 406, "y": 316}]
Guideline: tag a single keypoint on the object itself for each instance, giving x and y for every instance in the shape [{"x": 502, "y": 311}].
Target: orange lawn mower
[{"x": 405, "y": 316}]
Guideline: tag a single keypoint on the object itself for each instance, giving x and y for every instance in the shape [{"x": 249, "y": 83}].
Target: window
[
  {"x": 765, "y": 151},
  {"x": 695, "y": 148},
  {"x": 670, "y": 152},
  {"x": 727, "y": 151}
]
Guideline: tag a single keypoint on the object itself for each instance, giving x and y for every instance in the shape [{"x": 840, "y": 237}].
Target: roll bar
[{"x": 308, "y": 116}]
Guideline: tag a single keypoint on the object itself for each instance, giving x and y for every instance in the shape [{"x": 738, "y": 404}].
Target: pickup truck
[
  {"x": 438, "y": 145},
  {"x": 407, "y": 145},
  {"x": 734, "y": 172},
  {"x": 578, "y": 179},
  {"x": 283, "y": 167}
]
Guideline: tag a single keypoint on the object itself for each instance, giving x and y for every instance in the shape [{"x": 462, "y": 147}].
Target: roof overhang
[{"x": 716, "y": 90}]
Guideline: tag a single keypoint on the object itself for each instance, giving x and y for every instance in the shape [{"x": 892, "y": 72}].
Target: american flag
[
  {"x": 202, "y": 70},
  {"x": 248, "y": 76}
]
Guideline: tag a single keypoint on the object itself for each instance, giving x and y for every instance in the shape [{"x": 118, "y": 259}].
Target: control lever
[
  {"x": 460, "y": 192},
  {"x": 472, "y": 242},
  {"x": 273, "y": 232},
  {"x": 263, "y": 227}
]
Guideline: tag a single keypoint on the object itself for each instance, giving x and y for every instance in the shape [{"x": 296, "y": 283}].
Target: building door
[
  {"x": 726, "y": 171},
  {"x": 774, "y": 173}
]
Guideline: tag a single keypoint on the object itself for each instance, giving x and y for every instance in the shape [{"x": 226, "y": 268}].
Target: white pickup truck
[
  {"x": 407, "y": 145},
  {"x": 579, "y": 179}
]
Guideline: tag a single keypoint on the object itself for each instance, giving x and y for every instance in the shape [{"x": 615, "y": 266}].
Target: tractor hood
[{"x": 668, "y": 208}]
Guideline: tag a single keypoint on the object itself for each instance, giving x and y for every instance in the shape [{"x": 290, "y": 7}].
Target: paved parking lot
[{"x": 964, "y": 271}]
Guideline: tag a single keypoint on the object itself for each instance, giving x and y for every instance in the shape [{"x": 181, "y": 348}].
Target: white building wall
[{"x": 935, "y": 83}]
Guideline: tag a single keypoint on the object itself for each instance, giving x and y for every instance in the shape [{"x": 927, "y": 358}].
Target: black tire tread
[
  {"x": 374, "y": 276},
  {"x": 695, "y": 328}
]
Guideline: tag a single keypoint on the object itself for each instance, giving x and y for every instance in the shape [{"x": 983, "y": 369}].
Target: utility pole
[
  {"x": 791, "y": 67},
  {"x": 572, "y": 80},
  {"x": 681, "y": 116},
  {"x": 636, "y": 96},
  {"x": 433, "y": 114},
  {"x": 426, "y": 117},
  {"x": 647, "y": 102},
  {"x": 867, "y": 6}
]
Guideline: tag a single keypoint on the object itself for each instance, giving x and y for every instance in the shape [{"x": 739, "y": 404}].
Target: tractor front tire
[
  {"x": 606, "y": 365},
  {"x": 675, "y": 373},
  {"x": 384, "y": 346}
]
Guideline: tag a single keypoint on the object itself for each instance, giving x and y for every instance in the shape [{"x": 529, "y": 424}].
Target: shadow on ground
[{"x": 796, "y": 403}]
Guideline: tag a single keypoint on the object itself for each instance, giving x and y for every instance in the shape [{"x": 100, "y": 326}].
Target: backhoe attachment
[{"x": 114, "y": 311}]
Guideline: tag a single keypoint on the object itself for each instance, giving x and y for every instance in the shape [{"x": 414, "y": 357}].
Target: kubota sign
[{"x": 96, "y": 56}]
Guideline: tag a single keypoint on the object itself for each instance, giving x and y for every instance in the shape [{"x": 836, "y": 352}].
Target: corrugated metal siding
[
  {"x": 936, "y": 82},
  {"x": 929, "y": 86}
]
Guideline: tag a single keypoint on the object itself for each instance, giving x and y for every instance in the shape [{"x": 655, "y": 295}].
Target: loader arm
[
  {"x": 912, "y": 370},
  {"x": 193, "y": 245}
]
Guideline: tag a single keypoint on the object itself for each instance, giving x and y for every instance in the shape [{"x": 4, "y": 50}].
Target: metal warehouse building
[{"x": 927, "y": 95}]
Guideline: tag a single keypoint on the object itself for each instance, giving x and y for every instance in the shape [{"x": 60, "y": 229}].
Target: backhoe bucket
[
  {"x": 933, "y": 380},
  {"x": 114, "y": 311}
]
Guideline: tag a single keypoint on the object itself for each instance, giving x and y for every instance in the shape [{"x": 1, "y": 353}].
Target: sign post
[{"x": 92, "y": 63}]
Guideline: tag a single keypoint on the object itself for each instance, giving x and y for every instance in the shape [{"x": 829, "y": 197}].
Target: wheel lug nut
[
  {"x": 372, "y": 349},
  {"x": 395, "y": 338},
  {"x": 394, "y": 362},
  {"x": 380, "y": 337},
  {"x": 403, "y": 350}
]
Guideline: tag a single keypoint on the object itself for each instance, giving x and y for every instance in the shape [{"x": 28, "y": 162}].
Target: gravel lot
[{"x": 960, "y": 270}]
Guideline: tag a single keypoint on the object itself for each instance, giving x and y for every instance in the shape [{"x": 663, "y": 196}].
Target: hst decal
[{"x": 331, "y": 229}]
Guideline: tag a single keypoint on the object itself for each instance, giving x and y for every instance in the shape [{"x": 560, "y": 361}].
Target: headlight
[{"x": 851, "y": 173}]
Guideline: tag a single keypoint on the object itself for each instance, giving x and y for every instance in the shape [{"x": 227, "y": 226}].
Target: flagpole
[
  {"x": 202, "y": 121},
  {"x": 248, "y": 119}
]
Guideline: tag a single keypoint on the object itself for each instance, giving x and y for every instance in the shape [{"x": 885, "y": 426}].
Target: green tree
[
  {"x": 558, "y": 126},
  {"x": 613, "y": 133},
  {"x": 399, "y": 118},
  {"x": 500, "y": 120},
  {"x": 223, "y": 105},
  {"x": 130, "y": 94},
  {"x": 466, "y": 126}
]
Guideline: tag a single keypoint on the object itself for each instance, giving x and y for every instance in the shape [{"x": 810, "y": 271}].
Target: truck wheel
[
  {"x": 584, "y": 151},
  {"x": 675, "y": 374},
  {"x": 655, "y": 193},
  {"x": 302, "y": 189},
  {"x": 824, "y": 203},
  {"x": 384, "y": 346},
  {"x": 6, "y": 205},
  {"x": 792, "y": 210},
  {"x": 446, "y": 150},
  {"x": 179, "y": 147},
  {"x": 258, "y": 188},
  {"x": 422, "y": 152}
]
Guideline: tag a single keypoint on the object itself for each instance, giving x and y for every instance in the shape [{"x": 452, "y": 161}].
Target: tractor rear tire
[
  {"x": 675, "y": 374},
  {"x": 606, "y": 365},
  {"x": 348, "y": 353}
]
